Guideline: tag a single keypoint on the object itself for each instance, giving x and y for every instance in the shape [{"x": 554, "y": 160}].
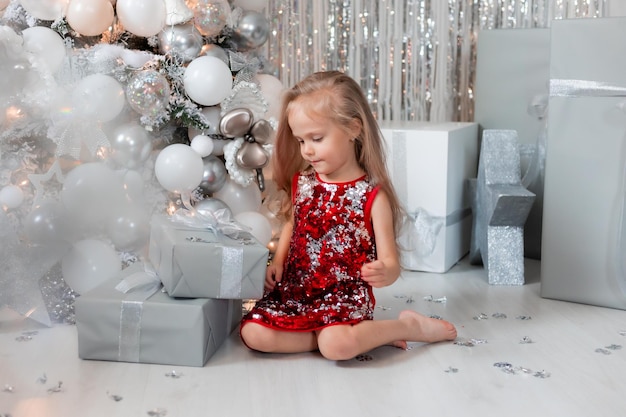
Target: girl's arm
[
  {"x": 385, "y": 270},
  {"x": 274, "y": 272}
]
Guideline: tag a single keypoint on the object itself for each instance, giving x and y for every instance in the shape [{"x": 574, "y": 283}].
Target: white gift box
[
  {"x": 584, "y": 225},
  {"x": 512, "y": 72},
  {"x": 429, "y": 164}
]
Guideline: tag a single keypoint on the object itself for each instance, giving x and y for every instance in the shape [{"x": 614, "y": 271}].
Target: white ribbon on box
[
  {"x": 140, "y": 286},
  {"x": 586, "y": 88}
]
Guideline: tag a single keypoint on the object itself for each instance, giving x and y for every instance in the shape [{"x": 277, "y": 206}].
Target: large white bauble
[
  {"x": 239, "y": 198},
  {"x": 99, "y": 97},
  {"x": 44, "y": 9},
  {"x": 272, "y": 89},
  {"x": 90, "y": 17},
  {"x": 88, "y": 264},
  {"x": 259, "y": 225},
  {"x": 11, "y": 196},
  {"x": 179, "y": 168},
  {"x": 45, "y": 45},
  {"x": 207, "y": 80},
  {"x": 142, "y": 17}
]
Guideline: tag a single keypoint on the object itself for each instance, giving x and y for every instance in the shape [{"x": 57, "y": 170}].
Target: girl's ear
[{"x": 355, "y": 128}]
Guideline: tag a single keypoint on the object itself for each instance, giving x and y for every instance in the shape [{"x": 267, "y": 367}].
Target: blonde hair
[{"x": 339, "y": 99}]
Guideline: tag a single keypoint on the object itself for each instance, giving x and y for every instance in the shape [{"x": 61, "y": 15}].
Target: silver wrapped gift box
[
  {"x": 194, "y": 262},
  {"x": 114, "y": 326},
  {"x": 584, "y": 218}
]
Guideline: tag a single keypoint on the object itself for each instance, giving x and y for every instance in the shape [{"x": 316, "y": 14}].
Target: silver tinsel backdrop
[{"x": 414, "y": 58}]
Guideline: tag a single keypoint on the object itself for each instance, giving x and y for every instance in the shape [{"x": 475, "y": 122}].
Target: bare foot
[{"x": 426, "y": 329}]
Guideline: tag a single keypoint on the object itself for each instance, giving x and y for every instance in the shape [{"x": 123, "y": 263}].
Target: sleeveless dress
[{"x": 332, "y": 238}]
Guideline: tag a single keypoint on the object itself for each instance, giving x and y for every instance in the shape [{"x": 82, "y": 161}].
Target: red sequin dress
[{"x": 332, "y": 238}]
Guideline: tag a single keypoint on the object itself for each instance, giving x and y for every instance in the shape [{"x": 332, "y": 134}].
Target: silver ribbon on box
[
  {"x": 587, "y": 88},
  {"x": 421, "y": 238},
  {"x": 218, "y": 221},
  {"x": 232, "y": 256},
  {"x": 138, "y": 286}
]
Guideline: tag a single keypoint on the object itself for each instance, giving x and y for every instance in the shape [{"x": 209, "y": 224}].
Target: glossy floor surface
[{"x": 517, "y": 354}]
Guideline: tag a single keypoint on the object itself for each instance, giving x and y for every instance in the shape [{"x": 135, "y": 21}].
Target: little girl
[{"x": 340, "y": 237}]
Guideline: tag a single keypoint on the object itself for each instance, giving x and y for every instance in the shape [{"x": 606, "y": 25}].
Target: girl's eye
[{"x": 317, "y": 139}]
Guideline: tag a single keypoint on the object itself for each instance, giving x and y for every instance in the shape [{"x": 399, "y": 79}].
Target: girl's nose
[{"x": 307, "y": 149}]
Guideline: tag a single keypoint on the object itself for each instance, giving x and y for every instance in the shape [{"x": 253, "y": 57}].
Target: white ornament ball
[
  {"x": 259, "y": 225},
  {"x": 11, "y": 196},
  {"x": 45, "y": 45},
  {"x": 207, "y": 80},
  {"x": 203, "y": 145},
  {"x": 142, "y": 17}
]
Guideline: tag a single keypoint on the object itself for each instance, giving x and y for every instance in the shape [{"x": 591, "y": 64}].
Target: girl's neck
[{"x": 343, "y": 177}]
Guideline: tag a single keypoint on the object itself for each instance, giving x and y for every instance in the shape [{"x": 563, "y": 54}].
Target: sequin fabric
[{"x": 331, "y": 240}]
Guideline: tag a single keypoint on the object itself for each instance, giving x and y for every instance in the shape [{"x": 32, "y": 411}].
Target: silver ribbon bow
[{"x": 218, "y": 221}]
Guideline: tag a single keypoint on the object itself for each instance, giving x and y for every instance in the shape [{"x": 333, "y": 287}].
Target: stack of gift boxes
[
  {"x": 564, "y": 90},
  {"x": 178, "y": 308}
]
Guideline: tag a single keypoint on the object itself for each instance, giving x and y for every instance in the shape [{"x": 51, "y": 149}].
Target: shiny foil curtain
[{"x": 415, "y": 59}]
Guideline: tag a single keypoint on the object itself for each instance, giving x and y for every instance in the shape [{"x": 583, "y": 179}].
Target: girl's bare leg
[
  {"x": 343, "y": 342},
  {"x": 264, "y": 339}
]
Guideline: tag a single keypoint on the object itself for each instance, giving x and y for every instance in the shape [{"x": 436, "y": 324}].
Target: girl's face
[{"x": 327, "y": 147}]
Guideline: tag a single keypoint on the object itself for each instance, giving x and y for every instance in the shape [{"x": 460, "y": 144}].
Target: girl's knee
[
  {"x": 337, "y": 343},
  {"x": 257, "y": 337}
]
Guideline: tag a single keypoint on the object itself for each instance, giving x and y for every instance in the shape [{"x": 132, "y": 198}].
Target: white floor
[{"x": 445, "y": 379}]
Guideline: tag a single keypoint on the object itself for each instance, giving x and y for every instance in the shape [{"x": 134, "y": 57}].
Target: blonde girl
[{"x": 339, "y": 239}]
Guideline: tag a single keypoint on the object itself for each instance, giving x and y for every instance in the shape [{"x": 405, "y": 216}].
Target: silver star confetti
[
  {"x": 56, "y": 389},
  {"x": 470, "y": 342},
  {"x": 116, "y": 398}
]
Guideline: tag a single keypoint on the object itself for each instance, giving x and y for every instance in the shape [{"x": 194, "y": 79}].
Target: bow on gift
[
  {"x": 239, "y": 123},
  {"x": 219, "y": 221}
]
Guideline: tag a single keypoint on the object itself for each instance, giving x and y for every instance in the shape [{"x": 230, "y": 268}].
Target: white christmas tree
[{"x": 112, "y": 111}]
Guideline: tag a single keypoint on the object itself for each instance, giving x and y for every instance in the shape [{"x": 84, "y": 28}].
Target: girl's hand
[
  {"x": 273, "y": 275},
  {"x": 377, "y": 274}
]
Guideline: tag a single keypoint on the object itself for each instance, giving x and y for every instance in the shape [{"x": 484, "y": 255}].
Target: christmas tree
[{"x": 113, "y": 111}]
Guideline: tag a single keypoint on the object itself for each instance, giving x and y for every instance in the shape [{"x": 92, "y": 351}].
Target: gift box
[
  {"x": 194, "y": 262},
  {"x": 511, "y": 93},
  {"x": 512, "y": 73},
  {"x": 583, "y": 248},
  {"x": 429, "y": 164},
  {"x": 151, "y": 327}
]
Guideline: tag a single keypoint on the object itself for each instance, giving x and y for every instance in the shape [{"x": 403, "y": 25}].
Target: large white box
[{"x": 429, "y": 164}]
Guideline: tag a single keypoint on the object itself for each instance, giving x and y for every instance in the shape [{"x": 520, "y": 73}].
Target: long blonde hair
[{"x": 340, "y": 100}]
